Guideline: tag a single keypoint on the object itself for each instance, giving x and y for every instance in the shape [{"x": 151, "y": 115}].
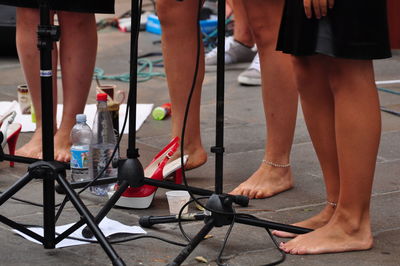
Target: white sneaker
[
  {"x": 252, "y": 75},
  {"x": 235, "y": 52}
]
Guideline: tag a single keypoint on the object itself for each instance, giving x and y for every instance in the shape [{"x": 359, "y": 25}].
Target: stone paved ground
[{"x": 244, "y": 141}]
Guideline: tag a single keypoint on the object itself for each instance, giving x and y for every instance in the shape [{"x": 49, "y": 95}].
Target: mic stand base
[
  {"x": 130, "y": 173},
  {"x": 222, "y": 215}
]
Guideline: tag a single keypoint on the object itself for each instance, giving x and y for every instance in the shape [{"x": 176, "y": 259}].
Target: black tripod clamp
[
  {"x": 45, "y": 169},
  {"x": 47, "y": 34}
]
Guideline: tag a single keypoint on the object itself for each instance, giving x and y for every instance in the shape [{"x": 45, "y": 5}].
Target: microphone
[{"x": 148, "y": 221}]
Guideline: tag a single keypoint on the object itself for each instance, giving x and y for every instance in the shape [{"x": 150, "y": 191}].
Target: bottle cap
[
  {"x": 80, "y": 118},
  {"x": 159, "y": 113},
  {"x": 102, "y": 97}
]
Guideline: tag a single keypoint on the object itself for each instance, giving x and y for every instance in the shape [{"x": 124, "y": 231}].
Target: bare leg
[
  {"x": 315, "y": 95},
  {"x": 280, "y": 102},
  {"x": 27, "y": 22},
  {"x": 242, "y": 31},
  {"x": 78, "y": 47},
  {"x": 357, "y": 131},
  {"x": 179, "y": 43}
]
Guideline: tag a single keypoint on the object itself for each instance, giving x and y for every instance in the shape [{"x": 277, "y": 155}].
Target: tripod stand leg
[
  {"x": 81, "y": 208},
  {"x": 193, "y": 244},
  {"x": 86, "y": 232},
  {"x": 15, "y": 188}
]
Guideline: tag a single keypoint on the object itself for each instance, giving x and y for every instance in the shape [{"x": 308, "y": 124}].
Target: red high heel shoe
[
  {"x": 159, "y": 168},
  {"x": 10, "y": 132}
]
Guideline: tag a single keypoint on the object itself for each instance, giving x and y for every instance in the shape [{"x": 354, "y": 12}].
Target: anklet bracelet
[
  {"x": 333, "y": 204},
  {"x": 276, "y": 164}
]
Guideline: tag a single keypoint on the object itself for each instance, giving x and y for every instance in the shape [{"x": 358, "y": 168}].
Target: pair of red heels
[
  {"x": 10, "y": 132},
  {"x": 160, "y": 168}
]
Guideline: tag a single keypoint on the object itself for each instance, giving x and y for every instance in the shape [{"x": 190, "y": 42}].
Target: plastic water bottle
[
  {"x": 102, "y": 146},
  {"x": 81, "y": 136}
]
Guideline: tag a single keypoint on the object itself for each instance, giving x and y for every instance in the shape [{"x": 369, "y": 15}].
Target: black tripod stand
[{"x": 47, "y": 169}]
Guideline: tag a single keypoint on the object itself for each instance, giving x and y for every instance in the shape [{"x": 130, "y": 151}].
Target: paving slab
[{"x": 244, "y": 141}]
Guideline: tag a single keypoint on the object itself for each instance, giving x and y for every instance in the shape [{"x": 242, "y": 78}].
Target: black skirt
[
  {"x": 354, "y": 29},
  {"x": 84, "y": 6}
]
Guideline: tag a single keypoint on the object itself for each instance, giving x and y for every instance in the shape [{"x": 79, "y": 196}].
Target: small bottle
[
  {"x": 102, "y": 146},
  {"x": 161, "y": 112},
  {"x": 81, "y": 136}
]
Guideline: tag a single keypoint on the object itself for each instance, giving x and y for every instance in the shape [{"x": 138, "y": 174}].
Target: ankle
[
  {"x": 351, "y": 223},
  {"x": 279, "y": 168}
]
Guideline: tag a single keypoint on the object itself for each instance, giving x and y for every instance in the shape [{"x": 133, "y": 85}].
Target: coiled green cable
[{"x": 145, "y": 72}]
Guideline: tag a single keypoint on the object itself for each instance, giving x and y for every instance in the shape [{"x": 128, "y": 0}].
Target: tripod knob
[
  {"x": 241, "y": 200},
  {"x": 87, "y": 233}
]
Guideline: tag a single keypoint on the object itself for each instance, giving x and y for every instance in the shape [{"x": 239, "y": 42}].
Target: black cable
[
  {"x": 228, "y": 233},
  {"x": 29, "y": 202},
  {"x": 130, "y": 238},
  {"x": 25, "y": 201},
  {"x": 186, "y": 114},
  {"x": 189, "y": 239},
  {"x": 180, "y": 215},
  {"x": 283, "y": 254},
  {"x": 118, "y": 239}
]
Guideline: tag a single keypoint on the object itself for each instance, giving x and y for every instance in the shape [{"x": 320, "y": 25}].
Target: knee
[
  {"x": 177, "y": 16},
  {"x": 27, "y": 17},
  {"x": 167, "y": 12},
  {"x": 75, "y": 19},
  {"x": 303, "y": 76},
  {"x": 263, "y": 36}
]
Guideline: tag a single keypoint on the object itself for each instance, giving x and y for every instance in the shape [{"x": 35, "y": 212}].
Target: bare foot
[
  {"x": 267, "y": 181},
  {"x": 62, "y": 146},
  {"x": 32, "y": 149},
  {"x": 196, "y": 158},
  {"x": 331, "y": 238},
  {"x": 314, "y": 222}
]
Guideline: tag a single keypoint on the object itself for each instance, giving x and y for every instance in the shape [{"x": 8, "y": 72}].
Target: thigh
[{"x": 351, "y": 76}]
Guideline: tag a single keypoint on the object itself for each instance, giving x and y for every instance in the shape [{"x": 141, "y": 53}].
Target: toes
[
  {"x": 283, "y": 247},
  {"x": 62, "y": 156},
  {"x": 283, "y": 234},
  {"x": 260, "y": 195},
  {"x": 253, "y": 194},
  {"x": 293, "y": 251},
  {"x": 235, "y": 192},
  {"x": 246, "y": 192},
  {"x": 278, "y": 233}
]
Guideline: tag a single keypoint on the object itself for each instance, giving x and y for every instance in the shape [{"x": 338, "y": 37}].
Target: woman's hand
[{"x": 320, "y": 7}]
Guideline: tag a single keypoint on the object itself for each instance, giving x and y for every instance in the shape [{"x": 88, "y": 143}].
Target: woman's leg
[
  {"x": 242, "y": 31},
  {"x": 78, "y": 47},
  {"x": 357, "y": 131},
  {"x": 316, "y": 95},
  {"x": 179, "y": 44},
  {"x": 29, "y": 56},
  {"x": 280, "y": 102}
]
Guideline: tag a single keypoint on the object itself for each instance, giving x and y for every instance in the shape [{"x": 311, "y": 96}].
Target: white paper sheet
[
  {"x": 107, "y": 226},
  {"x": 142, "y": 112}
]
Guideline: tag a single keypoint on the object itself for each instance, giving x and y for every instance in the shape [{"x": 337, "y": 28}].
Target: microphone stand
[
  {"x": 219, "y": 206},
  {"x": 47, "y": 169},
  {"x": 130, "y": 170}
]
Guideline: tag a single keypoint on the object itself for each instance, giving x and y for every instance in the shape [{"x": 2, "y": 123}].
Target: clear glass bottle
[{"x": 102, "y": 146}]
